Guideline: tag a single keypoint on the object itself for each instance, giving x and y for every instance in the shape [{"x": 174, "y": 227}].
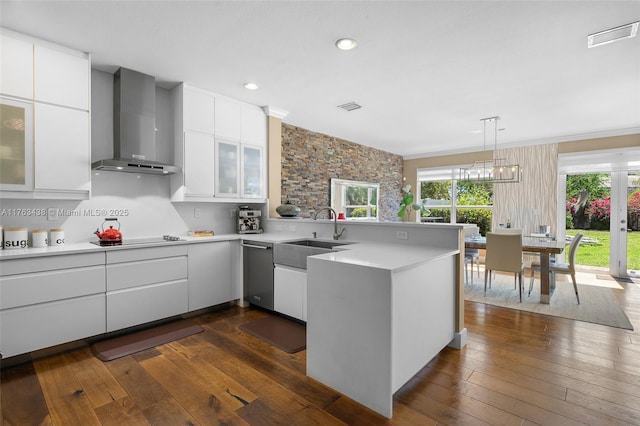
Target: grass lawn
[{"x": 597, "y": 254}]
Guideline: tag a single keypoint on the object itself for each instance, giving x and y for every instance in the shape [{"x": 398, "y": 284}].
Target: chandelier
[{"x": 491, "y": 171}]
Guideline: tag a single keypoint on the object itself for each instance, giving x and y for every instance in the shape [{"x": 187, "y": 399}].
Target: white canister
[
  {"x": 56, "y": 237},
  {"x": 39, "y": 238},
  {"x": 15, "y": 238}
]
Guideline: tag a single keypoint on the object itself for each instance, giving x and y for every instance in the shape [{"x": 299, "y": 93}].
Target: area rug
[
  {"x": 597, "y": 301},
  {"x": 282, "y": 333},
  {"x": 117, "y": 347}
]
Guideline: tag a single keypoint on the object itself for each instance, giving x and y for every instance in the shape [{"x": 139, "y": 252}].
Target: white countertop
[
  {"x": 391, "y": 257},
  {"x": 388, "y": 256}
]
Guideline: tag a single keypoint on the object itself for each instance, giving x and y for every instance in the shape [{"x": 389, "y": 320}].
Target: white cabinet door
[
  {"x": 61, "y": 78},
  {"x": 252, "y": 172},
  {"x": 133, "y": 306},
  {"x": 62, "y": 158},
  {"x": 39, "y": 326},
  {"x": 199, "y": 110},
  {"x": 16, "y": 67},
  {"x": 227, "y": 118},
  {"x": 253, "y": 125},
  {"x": 227, "y": 168},
  {"x": 199, "y": 152},
  {"x": 209, "y": 274},
  {"x": 289, "y": 285},
  {"x": 16, "y": 145}
]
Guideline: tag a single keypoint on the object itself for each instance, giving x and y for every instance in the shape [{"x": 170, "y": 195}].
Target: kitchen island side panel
[
  {"x": 423, "y": 317},
  {"x": 349, "y": 331}
]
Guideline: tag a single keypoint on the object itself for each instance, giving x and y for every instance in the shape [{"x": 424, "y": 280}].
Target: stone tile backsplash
[{"x": 311, "y": 159}]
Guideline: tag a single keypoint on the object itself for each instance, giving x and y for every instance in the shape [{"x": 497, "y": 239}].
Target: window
[
  {"x": 357, "y": 200},
  {"x": 450, "y": 200}
]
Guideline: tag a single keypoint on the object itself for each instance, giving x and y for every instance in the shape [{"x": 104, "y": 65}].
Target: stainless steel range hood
[{"x": 134, "y": 126}]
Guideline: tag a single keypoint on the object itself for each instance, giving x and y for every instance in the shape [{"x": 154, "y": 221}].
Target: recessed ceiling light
[
  {"x": 346, "y": 43},
  {"x": 251, "y": 86},
  {"x": 612, "y": 34}
]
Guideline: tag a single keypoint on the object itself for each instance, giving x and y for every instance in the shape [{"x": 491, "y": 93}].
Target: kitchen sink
[
  {"x": 317, "y": 243},
  {"x": 294, "y": 253}
]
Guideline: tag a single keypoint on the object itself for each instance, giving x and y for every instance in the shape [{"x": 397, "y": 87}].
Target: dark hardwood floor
[{"x": 518, "y": 368}]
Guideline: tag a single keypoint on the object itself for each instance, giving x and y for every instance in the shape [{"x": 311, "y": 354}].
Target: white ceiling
[{"x": 425, "y": 72}]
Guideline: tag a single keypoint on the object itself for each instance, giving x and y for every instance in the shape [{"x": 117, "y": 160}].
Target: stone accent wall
[{"x": 310, "y": 160}]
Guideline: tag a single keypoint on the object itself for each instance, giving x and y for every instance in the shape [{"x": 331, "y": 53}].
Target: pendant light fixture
[{"x": 491, "y": 171}]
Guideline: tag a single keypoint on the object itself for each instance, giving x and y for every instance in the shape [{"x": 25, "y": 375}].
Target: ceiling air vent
[
  {"x": 350, "y": 106},
  {"x": 613, "y": 34}
]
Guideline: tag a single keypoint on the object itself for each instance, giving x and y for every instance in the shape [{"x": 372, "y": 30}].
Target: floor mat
[
  {"x": 627, "y": 280},
  {"x": 282, "y": 333},
  {"x": 138, "y": 341}
]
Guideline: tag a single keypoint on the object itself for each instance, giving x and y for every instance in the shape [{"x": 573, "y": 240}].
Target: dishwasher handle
[{"x": 255, "y": 247}]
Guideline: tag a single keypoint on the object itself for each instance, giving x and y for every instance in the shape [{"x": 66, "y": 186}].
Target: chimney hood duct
[{"x": 134, "y": 126}]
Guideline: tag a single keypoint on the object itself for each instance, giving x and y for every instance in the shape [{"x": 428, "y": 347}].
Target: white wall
[{"x": 144, "y": 198}]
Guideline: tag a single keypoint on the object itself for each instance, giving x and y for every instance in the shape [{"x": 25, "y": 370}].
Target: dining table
[{"x": 544, "y": 246}]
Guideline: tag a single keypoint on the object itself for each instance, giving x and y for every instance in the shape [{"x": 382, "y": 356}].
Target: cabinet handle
[{"x": 256, "y": 247}]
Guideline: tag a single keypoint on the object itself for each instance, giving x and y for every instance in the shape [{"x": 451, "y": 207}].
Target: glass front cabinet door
[
  {"x": 251, "y": 171},
  {"x": 16, "y": 145},
  {"x": 227, "y": 167}
]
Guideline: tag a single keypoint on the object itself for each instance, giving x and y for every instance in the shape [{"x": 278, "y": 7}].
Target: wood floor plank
[
  {"x": 560, "y": 407},
  {"x": 168, "y": 412},
  {"x": 626, "y": 414},
  {"x": 121, "y": 412},
  {"x": 66, "y": 400},
  {"x": 97, "y": 382},
  {"x": 566, "y": 377},
  {"x": 198, "y": 400},
  {"x": 143, "y": 389},
  {"x": 231, "y": 393},
  {"x": 21, "y": 397}
]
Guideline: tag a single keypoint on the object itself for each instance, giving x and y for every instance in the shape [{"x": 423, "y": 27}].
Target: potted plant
[{"x": 407, "y": 204}]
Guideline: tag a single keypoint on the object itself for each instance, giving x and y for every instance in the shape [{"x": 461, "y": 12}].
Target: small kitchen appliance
[{"x": 249, "y": 220}]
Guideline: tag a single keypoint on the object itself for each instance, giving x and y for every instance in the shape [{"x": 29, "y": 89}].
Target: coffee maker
[{"x": 249, "y": 221}]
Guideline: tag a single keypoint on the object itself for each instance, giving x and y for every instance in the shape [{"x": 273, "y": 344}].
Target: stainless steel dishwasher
[{"x": 258, "y": 273}]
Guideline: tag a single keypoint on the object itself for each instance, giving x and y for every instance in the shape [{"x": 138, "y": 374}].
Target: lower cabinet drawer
[
  {"x": 129, "y": 307},
  {"x": 42, "y": 287},
  {"x": 40, "y": 326}
]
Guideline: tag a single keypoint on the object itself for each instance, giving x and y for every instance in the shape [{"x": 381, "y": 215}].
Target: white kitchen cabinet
[
  {"x": 62, "y": 154},
  {"x": 209, "y": 274},
  {"x": 55, "y": 83},
  {"x": 227, "y": 166},
  {"x": 16, "y": 67},
  {"x": 51, "y": 300},
  {"x": 227, "y": 118},
  {"x": 16, "y": 145},
  {"x": 236, "y": 170},
  {"x": 290, "y": 291},
  {"x": 252, "y": 172},
  {"x": 199, "y": 153},
  {"x": 253, "y": 125},
  {"x": 199, "y": 110},
  {"x": 61, "y": 78},
  {"x": 146, "y": 284}
]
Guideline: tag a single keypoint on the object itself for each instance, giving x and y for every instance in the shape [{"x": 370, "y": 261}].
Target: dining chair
[
  {"x": 562, "y": 268},
  {"x": 504, "y": 253},
  {"x": 471, "y": 255}
]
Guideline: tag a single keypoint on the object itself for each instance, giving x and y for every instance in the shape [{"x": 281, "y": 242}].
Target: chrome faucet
[{"x": 336, "y": 234}]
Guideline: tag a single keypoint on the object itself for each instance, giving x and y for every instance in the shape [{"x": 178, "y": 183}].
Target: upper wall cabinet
[
  {"x": 16, "y": 67},
  {"x": 50, "y": 86},
  {"x": 219, "y": 143},
  {"x": 227, "y": 119},
  {"x": 61, "y": 78}
]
